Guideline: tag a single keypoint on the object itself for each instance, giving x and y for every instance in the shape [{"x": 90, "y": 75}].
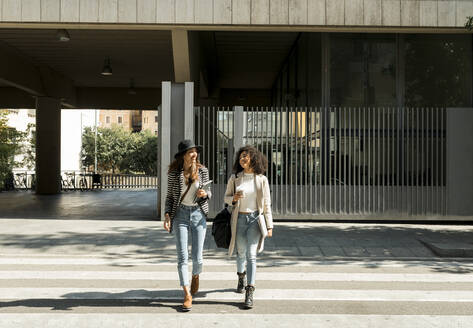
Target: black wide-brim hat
[{"x": 185, "y": 145}]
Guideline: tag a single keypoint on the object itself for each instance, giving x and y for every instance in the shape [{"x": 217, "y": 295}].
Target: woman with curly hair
[
  {"x": 186, "y": 211},
  {"x": 248, "y": 193}
]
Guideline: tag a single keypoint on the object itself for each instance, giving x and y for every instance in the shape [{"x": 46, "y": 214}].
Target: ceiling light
[
  {"x": 132, "y": 90},
  {"x": 63, "y": 35},
  {"x": 107, "y": 67}
]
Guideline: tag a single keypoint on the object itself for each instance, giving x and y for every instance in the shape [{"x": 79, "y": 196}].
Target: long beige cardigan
[{"x": 263, "y": 200}]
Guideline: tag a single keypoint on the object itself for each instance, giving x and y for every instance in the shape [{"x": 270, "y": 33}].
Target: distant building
[
  {"x": 128, "y": 119},
  {"x": 150, "y": 121},
  {"x": 131, "y": 120}
]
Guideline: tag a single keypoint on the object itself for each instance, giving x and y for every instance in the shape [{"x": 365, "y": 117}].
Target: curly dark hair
[{"x": 258, "y": 162}]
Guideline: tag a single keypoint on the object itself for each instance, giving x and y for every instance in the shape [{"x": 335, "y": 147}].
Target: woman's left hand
[
  {"x": 201, "y": 193},
  {"x": 270, "y": 233}
]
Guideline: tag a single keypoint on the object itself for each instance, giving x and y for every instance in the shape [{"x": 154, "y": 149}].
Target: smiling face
[
  {"x": 190, "y": 157},
  {"x": 245, "y": 161}
]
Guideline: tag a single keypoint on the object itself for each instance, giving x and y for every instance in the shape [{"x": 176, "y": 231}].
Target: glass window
[
  {"x": 301, "y": 92},
  {"x": 284, "y": 80},
  {"x": 292, "y": 71},
  {"x": 120, "y": 120},
  {"x": 314, "y": 70},
  {"x": 363, "y": 70},
  {"x": 107, "y": 119},
  {"x": 438, "y": 70}
]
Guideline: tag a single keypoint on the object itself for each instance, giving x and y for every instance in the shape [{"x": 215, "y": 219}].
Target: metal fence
[
  {"x": 21, "y": 180},
  {"x": 71, "y": 180},
  {"x": 126, "y": 181},
  {"x": 336, "y": 161},
  {"x": 214, "y": 130}
]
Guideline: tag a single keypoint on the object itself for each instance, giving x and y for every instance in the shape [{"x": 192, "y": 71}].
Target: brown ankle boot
[
  {"x": 187, "y": 305},
  {"x": 195, "y": 284}
]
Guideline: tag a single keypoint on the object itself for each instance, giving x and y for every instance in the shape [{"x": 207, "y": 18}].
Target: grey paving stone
[
  {"x": 311, "y": 251},
  {"x": 422, "y": 251},
  {"x": 332, "y": 251},
  {"x": 379, "y": 252},
  {"x": 402, "y": 252},
  {"x": 355, "y": 251}
]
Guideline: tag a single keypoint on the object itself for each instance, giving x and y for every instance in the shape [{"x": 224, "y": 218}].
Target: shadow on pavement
[
  {"x": 136, "y": 205},
  {"x": 133, "y": 298},
  {"x": 312, "y": 243}
]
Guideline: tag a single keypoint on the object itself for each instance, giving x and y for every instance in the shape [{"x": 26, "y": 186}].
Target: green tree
[
  {"x": 143, "y": 155},
  {"x": 29, "y": 149},
  {"x": 119, "y": 150},
  {"x": 10, "y": 145},
  {"x": 469, "y": 23}
]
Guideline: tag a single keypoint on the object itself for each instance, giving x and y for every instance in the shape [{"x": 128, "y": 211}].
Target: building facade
[{"x": 332, "y": 91}]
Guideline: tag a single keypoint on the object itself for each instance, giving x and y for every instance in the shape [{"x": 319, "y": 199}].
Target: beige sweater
[{"x": 263, "y": 200}]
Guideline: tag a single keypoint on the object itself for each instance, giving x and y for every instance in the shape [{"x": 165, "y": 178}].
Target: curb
[{"x": 449, "y": 249}]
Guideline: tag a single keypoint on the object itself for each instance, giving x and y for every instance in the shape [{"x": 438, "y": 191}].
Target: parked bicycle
[
  {"x": 33, "y": 181},
  {"x": 83, "y": 182},
  {"x": 21, "y": 180},
  {"x": 69, "y": 183}
]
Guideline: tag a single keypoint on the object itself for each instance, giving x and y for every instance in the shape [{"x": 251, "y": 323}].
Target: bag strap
[{"x": 185, "y": 192}]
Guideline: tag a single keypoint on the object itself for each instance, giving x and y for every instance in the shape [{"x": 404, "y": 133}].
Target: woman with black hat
[{"x": 186, "y": 210}]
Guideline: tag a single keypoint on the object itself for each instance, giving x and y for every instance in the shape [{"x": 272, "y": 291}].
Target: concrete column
[
  {"x": 181, "y": 56},
  {"x": 460, "y": 161},
  {"x": 176, "y": 123},
  {"x": 238, "y": 127},
  {"x": 238, "y": 131},
  {"x": 48, "y": 145}
]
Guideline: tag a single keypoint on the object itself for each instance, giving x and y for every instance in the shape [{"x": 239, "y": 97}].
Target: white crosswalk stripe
[
  {"x": 301, "y": 294},
  {"x": 263, "y": 294},
  {"x": 278, "y": 276}
]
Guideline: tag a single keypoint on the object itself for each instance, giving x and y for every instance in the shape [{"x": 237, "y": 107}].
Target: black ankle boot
[
  {"x": 241, "y": 282},
  {"x": 249, "y": 296}
]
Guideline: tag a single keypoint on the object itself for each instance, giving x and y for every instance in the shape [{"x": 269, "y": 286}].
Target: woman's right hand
[
  {"x": 237, "y": 196},
  {"x": 167, "y": 222}
]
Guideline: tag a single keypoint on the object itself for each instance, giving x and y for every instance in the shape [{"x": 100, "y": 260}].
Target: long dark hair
[
  {"x": 258, "y": 162},
  {"x": 178, "y": 164}
]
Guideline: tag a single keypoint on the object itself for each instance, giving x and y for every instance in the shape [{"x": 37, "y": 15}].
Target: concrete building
[
  {"x": 132, "y": 120},
  {"x": 128, "y": 119},
  {"x": 150, "y": 121},
  {"x": 359, "y": 56}
]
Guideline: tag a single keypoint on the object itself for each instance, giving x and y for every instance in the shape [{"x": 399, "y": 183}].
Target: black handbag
[{"x": 221, "y": 228}]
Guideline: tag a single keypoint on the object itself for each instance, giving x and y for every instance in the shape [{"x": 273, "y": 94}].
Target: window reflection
[
  {"x": 438, "y": 70},
  {"x": 362, "y": 70}
]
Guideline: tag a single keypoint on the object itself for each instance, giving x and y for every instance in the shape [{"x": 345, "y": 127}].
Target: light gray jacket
[{"x": 263, "y": 200}]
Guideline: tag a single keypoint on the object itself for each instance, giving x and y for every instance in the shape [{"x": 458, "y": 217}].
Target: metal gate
[{"x": 339, "y": 162}]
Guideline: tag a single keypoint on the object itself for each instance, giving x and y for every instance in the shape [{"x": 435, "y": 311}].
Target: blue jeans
[
  {"x": 189, "y": 218},
  {"x": 247, "y": 239}
]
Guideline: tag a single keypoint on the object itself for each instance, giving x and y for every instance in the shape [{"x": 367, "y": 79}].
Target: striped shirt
[{"x": 173, "y": 197}]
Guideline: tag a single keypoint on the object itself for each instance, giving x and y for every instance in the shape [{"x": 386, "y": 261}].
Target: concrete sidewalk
[
  {"x": 123, "y": 223},
  {"x": 147, "y": 239}
]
